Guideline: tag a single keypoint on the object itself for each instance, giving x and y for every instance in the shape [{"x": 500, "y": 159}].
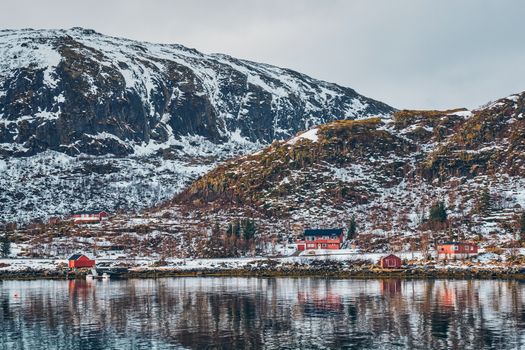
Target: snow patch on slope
[
  {"x": 23, "y": 51},
  {"x": 307, "y": 135}
]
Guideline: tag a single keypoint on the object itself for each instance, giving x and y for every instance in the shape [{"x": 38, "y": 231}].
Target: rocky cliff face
[
  {"x": 89, "y": 121},
  {"x": 79, "y": 92}
]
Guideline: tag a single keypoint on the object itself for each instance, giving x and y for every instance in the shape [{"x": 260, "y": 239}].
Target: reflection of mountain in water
[{"x": 261, "y": 313}]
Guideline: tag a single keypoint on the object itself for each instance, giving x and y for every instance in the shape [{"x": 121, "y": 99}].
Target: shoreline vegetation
[{"x": 324, "y": 270}]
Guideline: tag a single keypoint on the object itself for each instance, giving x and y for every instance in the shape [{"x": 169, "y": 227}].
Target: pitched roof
[
  {"x": 389, "y": 256},
  {"x": 87, "y": 213},
  {"x": 323, "y": 232},
  {"x": 75, "y": 256}
]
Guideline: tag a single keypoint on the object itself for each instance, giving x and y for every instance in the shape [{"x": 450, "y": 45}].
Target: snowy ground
[{"x": 484, "y": 260}]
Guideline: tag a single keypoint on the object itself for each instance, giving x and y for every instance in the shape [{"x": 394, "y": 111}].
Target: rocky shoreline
[{"x": 284, "y": 271}]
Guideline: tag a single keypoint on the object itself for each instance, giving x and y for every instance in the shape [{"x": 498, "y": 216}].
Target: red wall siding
[
  {"x": 390, "y": 262},
  {"x": 457, "y": 249},
  {"x": 83, "y": 261}
]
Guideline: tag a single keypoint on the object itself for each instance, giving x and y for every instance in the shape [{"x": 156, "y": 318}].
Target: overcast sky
[{"x": 407, "y": 53}]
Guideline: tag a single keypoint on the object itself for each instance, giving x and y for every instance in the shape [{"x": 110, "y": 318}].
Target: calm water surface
[{"x": 254, "y": 313}]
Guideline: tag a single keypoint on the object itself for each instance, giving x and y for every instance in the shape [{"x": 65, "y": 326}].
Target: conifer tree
[
  {"x": 352, "y": 229},
  {"x": 522, "y": 226},
  {"x": 5, "y": 245},
  {"x": 484, "y": 202},
  {"x": 437, "y": 216},
  {"x": 237, "y": 229},
  {"x": 249, "y": 229},
  {"x": 229, "y": 230},
  {"x": 438, "y": 212}
]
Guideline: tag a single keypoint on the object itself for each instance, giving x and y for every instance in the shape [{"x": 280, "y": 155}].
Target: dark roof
[
  {"x": 323, "y": 232},
  {"x": 390, "y": 256},
  {"x": 75, "y": 256},
  {"x": 89, "y": 213}
]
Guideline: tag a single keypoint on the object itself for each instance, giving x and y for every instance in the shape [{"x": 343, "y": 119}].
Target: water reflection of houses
[
  {"x": 198, "y": 313},
  {"x": 80, "y": 288},
  {"x": 320, "y": 303},
  {"x": 390, "y": 287},
  {"x": 446, "y": 294}
]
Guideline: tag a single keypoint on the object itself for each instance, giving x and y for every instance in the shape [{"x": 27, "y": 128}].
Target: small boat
[
  {"x": 106, "y": 273},
  {"x": 95, "y": 275},
  {"x": 91, "y": 276}
]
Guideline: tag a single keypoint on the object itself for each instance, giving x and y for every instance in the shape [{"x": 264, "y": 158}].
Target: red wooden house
[
  {"x": 89, "y": 218},
  {"x": 79, "y": 261},
  {"x": 456, "y": 250},
  {"x": 390, "y": 262},
  {"x": 321, "y": 239}
]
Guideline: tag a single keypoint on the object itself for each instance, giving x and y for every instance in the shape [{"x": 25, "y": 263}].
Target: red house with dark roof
[
  {"x": 321, "y": 239},
  {"x": 79, "y": 261},
  {"x": 456, "y": 250}
]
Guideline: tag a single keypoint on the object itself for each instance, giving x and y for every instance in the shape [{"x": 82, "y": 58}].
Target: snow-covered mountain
[
  {"x": 89, "y": 121},
  {"x": 388, "y": 174}
]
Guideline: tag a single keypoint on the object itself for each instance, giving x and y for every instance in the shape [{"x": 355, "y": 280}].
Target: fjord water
[{"x": 280, "y": 313}]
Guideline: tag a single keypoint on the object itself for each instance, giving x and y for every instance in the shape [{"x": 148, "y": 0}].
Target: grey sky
[{"x": 407, "y": 53}]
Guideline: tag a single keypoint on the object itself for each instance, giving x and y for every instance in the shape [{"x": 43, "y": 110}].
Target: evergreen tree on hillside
[
  {"x": 352, "y": 229},
  {"x": 522, "y": 226},
  {"x": 249, "y": 229},
  {"x": 484, "y": 202},
  {"x": 5, "y": 246},
  {"x": 437, "y": 215},
  {"x": 237, "y": 229},
  {"x": 229, "y": 230}
]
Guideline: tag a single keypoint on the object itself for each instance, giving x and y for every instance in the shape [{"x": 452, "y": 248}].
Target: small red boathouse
[
  {"x": 80, "y": 260},
  {"x": 390, "y": 262}
]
